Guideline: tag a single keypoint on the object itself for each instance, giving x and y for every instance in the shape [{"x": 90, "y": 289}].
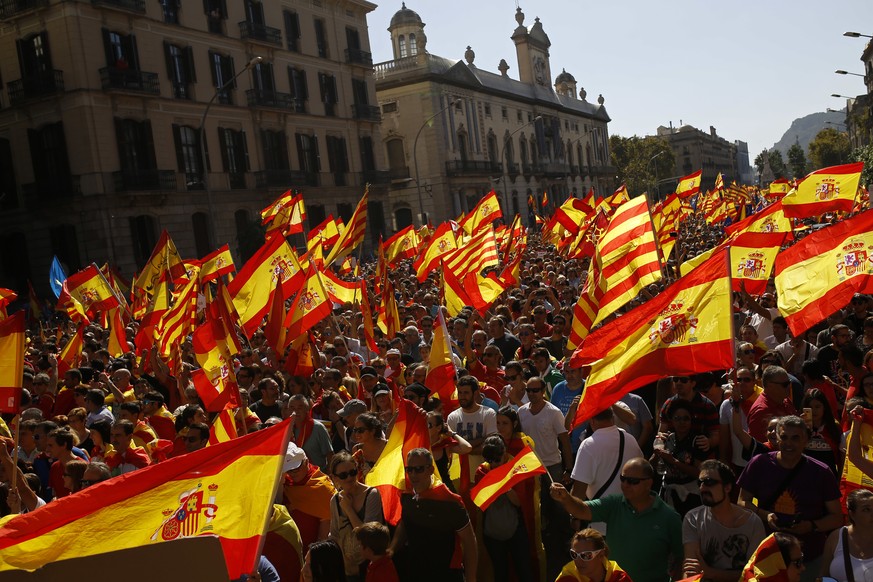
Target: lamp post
[
  {"x": 842, "y": 72},
  {"x": 452, "y": 103},
  {"x": 856, "y": 35},
  {"x": 503, "y": 158},
  {"x": 652, "y": 159},
  {"x": 838, "y": 96},
  {"x": 202, "y": 138},
  {"x": 843, "y": 125}
]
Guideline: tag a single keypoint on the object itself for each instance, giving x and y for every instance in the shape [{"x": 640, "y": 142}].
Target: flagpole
[
  {"x": 121, "y": 301},
  {"x": 15, "y": 453},
  {"x": 660, "y": 253}
]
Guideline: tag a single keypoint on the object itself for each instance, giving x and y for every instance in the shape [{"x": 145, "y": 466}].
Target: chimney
[{"x": 712, "y": 131}]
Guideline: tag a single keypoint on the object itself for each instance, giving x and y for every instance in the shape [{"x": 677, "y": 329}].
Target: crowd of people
[{"x": 703, "y": 475}]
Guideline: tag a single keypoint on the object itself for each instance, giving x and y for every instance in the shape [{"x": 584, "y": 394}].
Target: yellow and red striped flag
[
  {"x": 402, "y": 245},
  {"x": 388, "y": 318},
  {"x": 223, "y": 427},
  {"x": 719, "y": 182},
  {"x": 689, "y": 185},
  {"x": 487, "y": 210},
  {"x": 215, "y": 380},
  {"x": 368, "y": 320},
  {"x": 684, "y": 330},
  {"x": 224, "y": 490},
  {"x": 498, "y": 481},
  {"x": 826, "y": 190},
  {"x": 353, "y": 234},
  {"x": 340, "y": 291},
  {"x": 480, "y": 252},
  {"x": 72, "y": 351},
  {"x": 825, "y": 270},
  {"x": 216, "y": 264},
  {"x": 440, "y": 377},
  {"x": 388, "y": 475},
  {"x": 274, "y": 326},
  {"x": 625, "y": 261},
  {"x": 311, "y": 305},
  {"x": 179, "y": 320},
  {"x": 441, "y": 242},
  {"x": 117, "y": 345},
  {"x": 11, "y": 364},
  {"x": 770, "y": 219},
  {"x": 766, "y": 564}
]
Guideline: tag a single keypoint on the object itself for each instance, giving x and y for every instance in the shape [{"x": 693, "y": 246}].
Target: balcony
[
  {"x": 129, "y": 5},
  {"x": 605, "y": 171},
  {"x": 50, "y": 187},
  {"x": 375, "y": 177},
  {"x": 472, "y": 167},
  {"x": 39, "y": 85},
  {"x": 359, "y": 57},
  {"x": 129, "y": 80},
  {"x": 236, "y": 180},
  {"x": 142, "y": 180},
  {"x": 260, "y": 32},
  {"x": 554, "y": 170},
  {"x": 12, "y": 8},
  {"x": 265, "y": 98},
  {"x": 366, "y": 112},
  {"x": 284, "y": 179}
]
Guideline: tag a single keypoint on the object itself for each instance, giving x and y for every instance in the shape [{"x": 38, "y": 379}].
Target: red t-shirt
[
  {"x": 56, "y": 480},
  {"x": 382, "y": 570}
]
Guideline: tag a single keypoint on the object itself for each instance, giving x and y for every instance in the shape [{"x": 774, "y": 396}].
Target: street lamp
[
  {"x": 202, "y": 138},
  {"x": 856, "y": 35},
  {"x": 842, "y": 72},
  {"x": 503, "y": 158},
  {"x": 452, "y": 103},
  {"x": 652, "y": 159},
  {"x": 835, "y": 123},
  {"x": 838, "y": 96}
]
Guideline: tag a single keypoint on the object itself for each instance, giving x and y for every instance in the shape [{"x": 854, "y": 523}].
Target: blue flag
[{"x": 57, "y": 277}]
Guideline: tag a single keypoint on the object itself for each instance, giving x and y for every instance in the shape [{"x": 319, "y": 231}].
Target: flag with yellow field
[
  {"x": 225, "y": 490},
  {"x": 689, "y": 185},
  {"x": 826, "y": 190},
  {"x": 686, "y": 329},
  {"x": 11, "y": 362},
  {"x": 500, "y": 480}
]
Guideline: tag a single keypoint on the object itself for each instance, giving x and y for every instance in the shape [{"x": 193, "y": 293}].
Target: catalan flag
[
  {"x": 824, "y": 271},
  {"x": 719, "y": 182},
  {"x": 353, "y": 234},
  {"x": 684, "y": 330},
  {"x": 826, "y": 190},
  {"x": 689, "y": 185},
  {"x": 11, "y": 364},
  {"x": 766, "y": 564},
  {"x": 388, "y": 318},
  {"x": 216, "y": 264},
  {"x": 368, "y": 320},
  {"x": 223, "y": 428},
  {"x": 498, "y": 481},
  {"x": 480, "y": 252},
  {"x": 625, "y": 261},
  {"x": 224, "y": 490},
  {"x": 179, "y": 320}
]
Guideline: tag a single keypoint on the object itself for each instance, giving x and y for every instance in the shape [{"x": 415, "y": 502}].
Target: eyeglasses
[
  {"x": 632, "y": 480},
  {"x": 708, "y": 482},
  {"x": 417, "y": 468},
  {"x": 345, "y": 474},
  {"x": 798, "y": 563},
  {"x": 681, "y": 379},
  {"x": 360, "y": 430},
  {"x": 745, "y": 380},
  {"x": 533, "y": 390},
  {"x": 584, "y": 556}
]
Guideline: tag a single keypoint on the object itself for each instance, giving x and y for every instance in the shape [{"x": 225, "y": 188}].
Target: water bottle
[{"x": 660, "y": 465}]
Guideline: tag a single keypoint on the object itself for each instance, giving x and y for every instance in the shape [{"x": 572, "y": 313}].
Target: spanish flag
[
  {"x": 11, "y": 364},
  {"x": 388, "y": 318},
  {"x": 216, "y": 264},
  {"x": 69, "y": 356},
  {"x": 824, "y": 270},
  {"x": 442, "y": 242},
  {"x": 684, "y": 330},
  {"x": 689, "y": 185},
  {"x": 403, "y": 245},
  {"x": 487, "y": 210},
  {"x": 440, "y": 377},
  {"x": 500, "y": 480},
  {"x": 325, "y": 234},
  {"x": 88, "y": 290},
  {"x": 340, "y": 291},
  {"x": 770, "y": 219},
  {"x": 311, "y": 305},
  {"x": 719, "y": 182},
  {"x": 215, "y": 380},
  {"x": 388, "y": 475},
  {"x": 223, "y": 428},
  {"x": 779, "y": 188},
  {"x": 117, "y": 337},
  {"x": 225, "y": 490},
  {"x": 752, "y": 257},
  {"x": 825, "y": 190},
  {"x": 766, "y": 564},
  {"x": 165, "y": 259},
  {"x": 252, "y": 288}
]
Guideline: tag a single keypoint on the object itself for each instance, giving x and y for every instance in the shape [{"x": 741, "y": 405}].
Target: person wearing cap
[
  {"x": 367, "y": 383},
  {"x": 383, "y": 404},
  {"x": 348, "y": 414},
  {"x": 416, "y": 393},
  {"x": 395, "y": 369},
  {"x": 306, "y": 492}
]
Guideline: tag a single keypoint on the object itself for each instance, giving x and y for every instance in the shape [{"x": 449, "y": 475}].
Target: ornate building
[
  {"x": 100, "y": 141},
  {"x": 859, "y": 111},
  {"x": 452, "y": 131},
  {"x": 694, "y": 150}
]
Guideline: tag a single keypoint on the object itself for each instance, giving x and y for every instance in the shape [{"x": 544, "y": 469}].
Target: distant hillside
[{"x": 806, "y": 128}]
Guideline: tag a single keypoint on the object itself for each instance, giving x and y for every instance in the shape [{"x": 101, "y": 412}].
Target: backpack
[{"x": 501, "y": 519}]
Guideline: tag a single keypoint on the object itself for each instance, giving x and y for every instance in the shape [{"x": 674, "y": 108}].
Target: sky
[{"x": 746, "y": 67}]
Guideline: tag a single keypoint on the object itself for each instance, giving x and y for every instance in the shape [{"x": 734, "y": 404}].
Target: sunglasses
[
  {"x": 708, "y": 482},
  {"x": 346, "y": 474},
  {"x": 417, "y": 468},
  {"x": 632, "y": 480},
  {"x": 359, "y": 430},
  {"x": 798, "y": 563},
  {"x": 86, "y": 482},
  {"x": 584, "y": 556}
]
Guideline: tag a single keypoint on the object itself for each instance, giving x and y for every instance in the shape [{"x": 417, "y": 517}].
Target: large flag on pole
[
  {"x": 11, "y": 363},
  {"x": 225, "y": 490},
  {"x": 685, "y": 330},
  {"x": 440, "y": 377},
  {"x": 824, "y": 270},
  {"x": 689, "y": 185},
  {"x": 57, "y": 276},
  {"x": 825, "y": 190}
]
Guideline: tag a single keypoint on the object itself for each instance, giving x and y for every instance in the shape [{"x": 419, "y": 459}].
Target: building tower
[{"x": 407, "y": 33}]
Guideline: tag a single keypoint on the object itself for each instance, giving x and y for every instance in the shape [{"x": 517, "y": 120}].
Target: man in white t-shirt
[
  {"x": 472, "y": 421},
  {"x": 544, "y": 423}
]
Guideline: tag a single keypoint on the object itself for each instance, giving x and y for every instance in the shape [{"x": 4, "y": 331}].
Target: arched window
[
  {"x": 462, "y": 146},
  {"x": 509, "y": 155},
  {"x": 413, "y": 45},
  {"x": 492, "y": 149},
  {"x": 522, "y": 151},
  {"x": 143, "y": 232},
  {"x": 401, "y": 41},
  {"x": 200, "y": 225},
  {"x": 402, "y": 218}
]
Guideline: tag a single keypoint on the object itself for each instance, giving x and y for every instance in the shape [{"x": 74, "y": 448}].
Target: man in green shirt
[{"x": 643, "y": 533}]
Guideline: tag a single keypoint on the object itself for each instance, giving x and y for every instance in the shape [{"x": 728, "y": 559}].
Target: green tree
[
  {"x": 797, "y": 160},
  {"x": 865, "y": 154},
  {"x": 641, "y": 161},
  {"x": 829, "y": 148},
  {"x": 777, "y": 164}
]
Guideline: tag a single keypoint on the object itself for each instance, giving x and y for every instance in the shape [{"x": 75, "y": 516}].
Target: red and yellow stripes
[
  {"x": 495, "y": 483},
  {"x": 826, "y": 190},
  {"x": 353, "y": 234}
]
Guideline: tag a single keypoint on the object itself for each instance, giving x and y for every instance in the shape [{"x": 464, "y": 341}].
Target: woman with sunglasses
[
  {"x": 444, "y": 443},
  {"x": 824, "y": 443},
  {"x": 746, "y": 356},
  {"x": 682, "y": 460},
  {"x": 591, "y": 560},
  {"x": 353, "y": 505},
  {"x": 369, "y": 434}
]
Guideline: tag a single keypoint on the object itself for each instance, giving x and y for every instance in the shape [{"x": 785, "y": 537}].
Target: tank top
[{"x": 862, "y": 569}]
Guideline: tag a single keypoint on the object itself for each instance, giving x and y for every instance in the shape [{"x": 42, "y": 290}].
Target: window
[
  {"x": 518, "y": 116},
  {"x": 413, "y": 45},
  {"x": 522, "y": 151},
  {"x": 353, "y": 39},
  {"x": 8, "y": 184},
  {"x": 170, "y": 10},
  {"x": 262, "y": 79},
  {"x": 222, "y": 73},
  {"x": 234, "y": 155},
  {"x": 327, "y": 83},
  {"x": 368, "y": 157},
  {"x": 216, "y": 13},
  {"x": 299, "y": 91},
  {"x": 200, "y": 225},
  {"x": 188, "y": 155},
  {"x": 315, "y": 215},
  {"x": 504, "y": 113},
  {"x": 345, "y": 211},
  {"x": 376, "y": 217},
  {"x": 492, "y": 149},
  {"x": 275, "y": 150},
  {"x": 389, "y": 107},
  {"x": 143, "y": 234},
  {"x": 396, "y": 156},
  {"x": 48, "y": 154},
  {"x": 136, "y": 150},
  {"x": 180, "y": 69},
  {"x": 402, "y": 218},
  {"x": 254, "y": 12},
  {"x": 321, "y": 38},
  {"x": 338, "y": 159},
  {"x": 307, "y": 153},
  {"x": 65, "y": 245},
  {"x": 359, "y": 92},
  {"x": 33, "y": 55},
  {"x": 401, "y": 42},
  {"x": 487, "y": 110},
  {"x": 292, "y": 30},
  {"x": 121, "y": 52}
]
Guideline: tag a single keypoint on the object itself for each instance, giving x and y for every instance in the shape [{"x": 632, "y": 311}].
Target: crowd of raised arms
[{"x": 726, "y": 475}]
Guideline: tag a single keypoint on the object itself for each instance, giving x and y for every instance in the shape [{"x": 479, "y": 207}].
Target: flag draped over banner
[
  {"x": 820, "y": 273},
  {"x": 500, "y": 480},
  {"x": 226, "y": 490},
  {"x": 686, "y": 329},
  {"x": 824, "y": 190}
]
